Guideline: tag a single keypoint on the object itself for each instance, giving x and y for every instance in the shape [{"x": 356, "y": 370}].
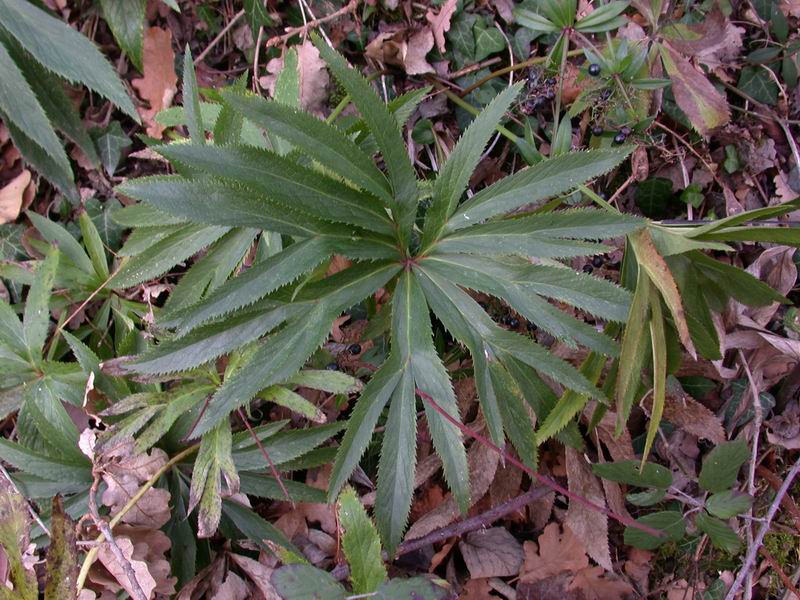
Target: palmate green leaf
[
  {"x": 554, "y": 234},
  {"x": 55, "y": 45},
  {"x": 294, "y": 402},
  {"x": 68, "y": 246},
  {"x": 165, "y": 254},
  {"x": 255, "y": 528},
  {"x": 14, "y": 537},
  {"x": 12, "y": 335},
  {"x": 454, "y": 176},
  {"x": 541, "y": 181},
  {"x": 54, "y": 425},
  {"x": 501, "y": 279},
  {"x": 361, "y": 545},
  {"x": 253, "y": 284},
  {"x": 47, "y": 467},
  {"x": 212, "y": 270},
  {"x": 19, "y": 105},
  {"x": 94, "y": 245},
  {"x": 516, "y": 420},
  {"x": 362, "y": 422},
  {"x": 177, "y": 404},
  {"x": 191, "y": 101},
  {"x": 386, "y": 131},
  {"x": 658, "y": 343},
  {"x": 315, "y": 138},
  {"x": 266, "y": 486},
  {"x": 332, "y": 382},
  {"x": 62, "y": 555},
  {"x": 412, "y": 339},
  {"x": 125, "y": 18},
  {"x": 213, "y": 340},
  {"x": 698, "y": 314},
  {"x": 738, "y": 283},
  {"x": 43, "y": 162},
  {"x": 287, "y": 183},
  {"x": 212, "y": 202},
  {"x": 50, "y": 93},
  {"x": 214, "y": 461},
  {"x": 397, "y": 463},
  {"x": 36, "y": 317},
  {"x": 282, "y": 447}
]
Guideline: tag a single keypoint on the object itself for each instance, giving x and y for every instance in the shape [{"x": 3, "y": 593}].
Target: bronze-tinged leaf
[
  {"x": 585, "y": 522},
  {"x": 706, "y": 108},
  {"x": 657, "y": 269},
  {"x": 693, "y": 39},
  {"x": 62, "y": 556}
]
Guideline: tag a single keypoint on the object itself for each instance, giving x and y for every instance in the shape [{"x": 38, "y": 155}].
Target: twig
[
  {"x": 272, "y": 468},
  {"x": 775, "y": 483},
  {"x": 522, "y": 65},
  {"x": 303, "y": 29},
  {"x": 477, "y": 522},
  {"x": 751, "y": 476},
  {"x": 787, "y": 583},
  {"x": 28, "y": 504},
  {"x": 218, "y": 37},
  {"x": 136, "y": 590},
  {"x": 92, "y": 554},
  {"x": 546, "y": 481},
  {"x": 759, "y": 540}
]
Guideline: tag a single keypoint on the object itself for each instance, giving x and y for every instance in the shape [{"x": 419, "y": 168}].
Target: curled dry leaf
[
  {"x": 491, "y": 552},
  {"x": 785, "y": 428},
  {"x": 404, "y": 51},
  {"x": 259, "y": 574},
  {"x": 556, "y": 552},
  {"x": 587, "y": 523},
  {"x": 158, "y": 85}
]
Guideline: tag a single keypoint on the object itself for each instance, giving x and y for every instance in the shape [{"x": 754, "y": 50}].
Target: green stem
[{"x": 92, "y": 554}]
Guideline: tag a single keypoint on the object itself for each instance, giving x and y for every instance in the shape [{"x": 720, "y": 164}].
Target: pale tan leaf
[
  {"x": 555, "y": 553},
  {"x": 440, "y": 22},
  {"x": 491, "y": 552},
  {"x": 588, "y": 524},
  {"x": 314, "y": 78},
  {"x": 109, "y": 560},
  {"x": 233, "y": 588},
  {"x": 594, "y": 584},
  {"x": 419, "y": 45},
  {"x": 687, "y": 413},
  {"x": 11, "y": 196},
  {"x": 158, "y": 84}
]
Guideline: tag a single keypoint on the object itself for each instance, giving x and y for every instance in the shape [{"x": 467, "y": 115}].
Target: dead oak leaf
[
  {"x": 585, "y": 522},
  {"x": 440, "y": 23},
  {"x": 555, "y": 553},
  {"x": 595, "y": 584},
  {"x": 158, "y": 84}
]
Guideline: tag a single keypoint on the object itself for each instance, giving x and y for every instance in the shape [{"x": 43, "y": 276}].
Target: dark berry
[
  {"x": 332, "y": 366},
  {"x": 620, "y": 138},
  {"x": 513, "y": 323},
  {"x": 597, "y": 130},
  {"x": 597, "y": 262},
  {"x": 531, "y": 326},
  {"x": 550, "y": 81},
  {"x": 354, "y": 349},
  {"x": 594, "y": 69},
  {"x": 588, "y": 268},
  {"x": 605, "y": 94},
  {"x": 626, "y": 131}
]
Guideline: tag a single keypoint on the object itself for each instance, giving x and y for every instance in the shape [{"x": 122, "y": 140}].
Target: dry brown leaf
[
  {"x": 785, "y": 428},
  {"x": 585, "y": 522},
  {"x": 595, "y": 584},
  {"x": 790, "y": 8},
  {"x": 158, "y": 85},
  {"x": 620, "y": 448},
  {"x": 109, "y": 560},
  {"x": 687, "y": 413},
  {"x": 476, "y": 589},
  {"x": 393, "y": 48},
  {"x": 124, "y": 473},
  {"x": 233, "y": 588},
  {"x": 681, "y": 590},
  {"x": 440, "y": 23},
  {"x": 314, "y": 78},
  {"x": 11, "y": 196},
  {"x": 637, "y": 567},
  {"x": 483, "y": 463},
  {"x": 324, "y": 514},
  {"x": 775, "y": 267},
  {"x": 491, "y": 552},
  {"x": 555, "y": 553}
]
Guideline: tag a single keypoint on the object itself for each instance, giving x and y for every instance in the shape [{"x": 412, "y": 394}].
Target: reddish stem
[
  {"x": 537, "y": 476},
  {"x": 272, "y": 468}
]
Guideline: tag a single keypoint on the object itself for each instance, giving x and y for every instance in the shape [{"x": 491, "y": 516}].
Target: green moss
[{"x": 785, "y": 549}]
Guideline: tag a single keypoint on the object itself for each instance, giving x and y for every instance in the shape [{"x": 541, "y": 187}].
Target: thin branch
[
  {"x": 218, "y": 37},
  {"x": 303, "y": 29},
  {"x": 757, "y": 543}
]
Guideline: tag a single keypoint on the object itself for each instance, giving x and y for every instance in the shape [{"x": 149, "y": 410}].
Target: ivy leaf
[
  {"x": 722, "y": 464},
  {"x": 361, "y": 545}
]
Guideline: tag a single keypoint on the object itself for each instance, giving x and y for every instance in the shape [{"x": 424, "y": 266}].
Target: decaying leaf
[
  {"x": 440, "y": 22},
  {"x": 706, "y": 108},
  {"x": 158, "y": 85},
  {"x": 586, "y": 523},
  {"x": 555, "y": 553},
  {"x": 491, "y": 552},
  {"x": 404, "y": 51},
  {"x": 12, "y": 196},
  {"x": 687, "y": 413}
]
